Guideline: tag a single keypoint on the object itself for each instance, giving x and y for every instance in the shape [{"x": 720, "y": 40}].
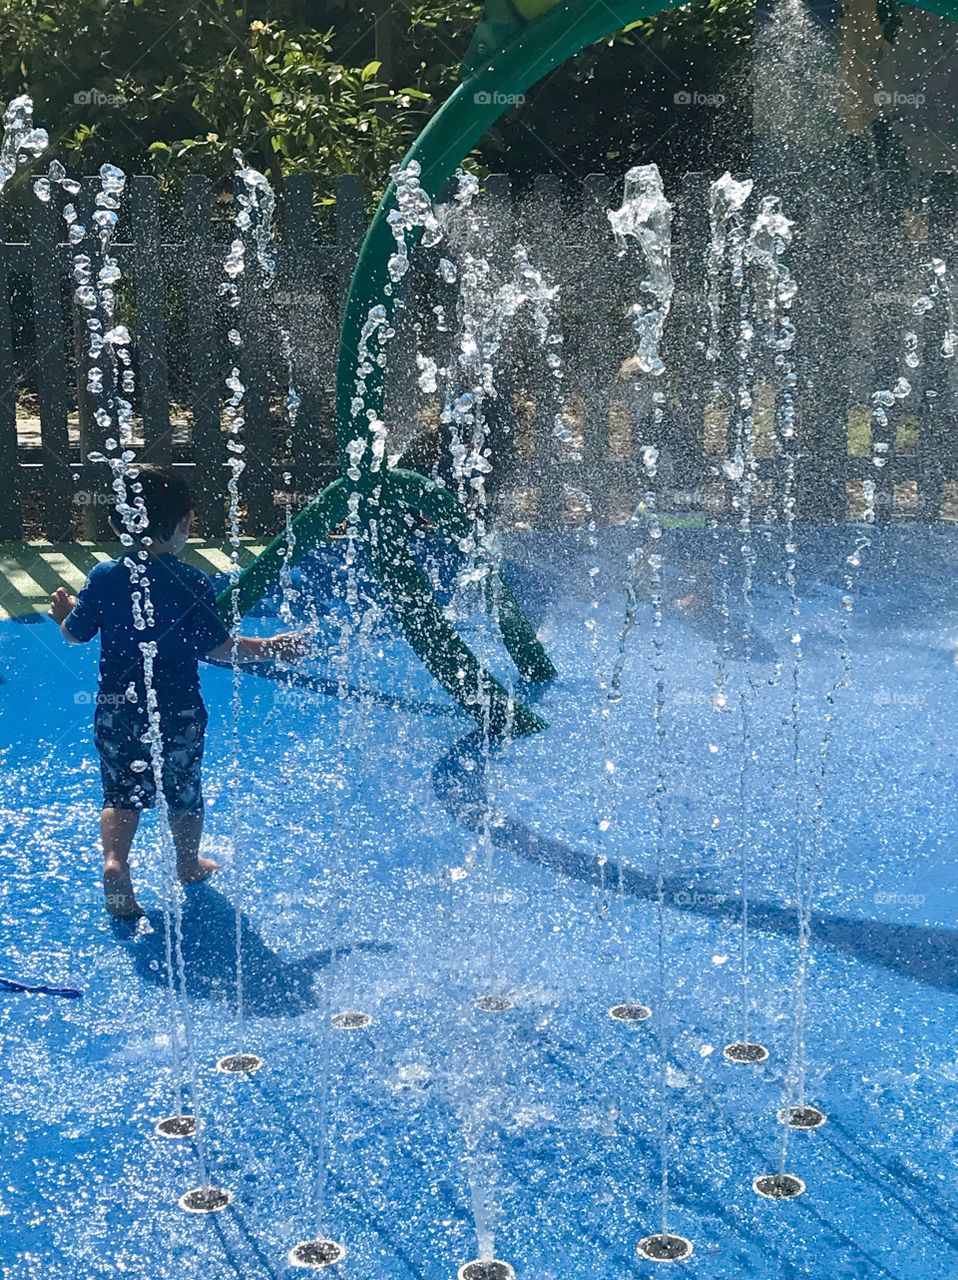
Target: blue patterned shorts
[{"x": 126, "y": 764}]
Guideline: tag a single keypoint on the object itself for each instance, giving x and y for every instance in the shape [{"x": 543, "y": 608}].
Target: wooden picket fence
[
  {"x": 47, "y": 484},
  {"x": 859, "y": 264}
]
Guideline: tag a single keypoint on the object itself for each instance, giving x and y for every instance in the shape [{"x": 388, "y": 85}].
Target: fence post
[
  {"x": 350, "y": 229},
  {"x": 350, "y": 226},
  {"x": 602, "y": 339},
  {"x": 544, "y": 220},
  {"x": 938, "y": 440},
  {"x": 94, "y": 477},
  {"x": 205, "y": 391},
  {"x": 311, "y": 445},
  {"x": 52, "y": 348},
  {"x": 687, "y": 371},
  {"x": 253, "y": 320},
  {"x": 890, "y": 264},
  {"x": 148, "y": 265},
  {"x": 513, "y": 435},
  {"x": 822, "y": 321},
  {"x": 11, "y": 525}
]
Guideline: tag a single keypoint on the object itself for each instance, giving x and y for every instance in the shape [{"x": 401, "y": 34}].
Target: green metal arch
[
  {"x": 480, "y": 99},
  {"x": 447, "y": 139}
]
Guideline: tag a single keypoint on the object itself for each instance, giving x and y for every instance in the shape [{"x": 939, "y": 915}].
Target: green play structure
[{"x": 515, "y": 45}]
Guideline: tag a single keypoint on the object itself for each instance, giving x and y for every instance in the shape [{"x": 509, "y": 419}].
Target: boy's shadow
[{"x": 272, "y": 987}]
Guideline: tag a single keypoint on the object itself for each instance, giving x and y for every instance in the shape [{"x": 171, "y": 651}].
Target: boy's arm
[
  {"x": 288, "y": 645},
  {"x": 62, "y": 604},
  {"x": 214, "y": 643}
]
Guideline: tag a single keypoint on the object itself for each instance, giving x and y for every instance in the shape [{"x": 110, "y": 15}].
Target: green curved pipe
[
  {"x": 313, "y": 524},
  {"x": 447, "y": 139},
  {"x": 448, "y": 514},
  {"x": 435, "y": 639},
  {"x": 450, "y": 135}
]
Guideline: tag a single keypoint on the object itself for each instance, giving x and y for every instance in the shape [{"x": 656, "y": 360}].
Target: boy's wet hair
[{"x": 166, "y": 499}]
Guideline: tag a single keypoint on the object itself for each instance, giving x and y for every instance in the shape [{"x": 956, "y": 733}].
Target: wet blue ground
[{"x": 362, "y": 873}]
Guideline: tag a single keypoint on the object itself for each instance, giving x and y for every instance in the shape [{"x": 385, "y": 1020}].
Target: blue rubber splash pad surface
[{"x": 383, "y": 862}]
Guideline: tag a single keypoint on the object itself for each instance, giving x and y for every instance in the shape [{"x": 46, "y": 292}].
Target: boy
[{"x": 185, "y": 627}]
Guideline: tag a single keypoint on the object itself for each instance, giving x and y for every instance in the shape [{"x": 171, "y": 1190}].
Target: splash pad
[{"x": 388, "y": 498}]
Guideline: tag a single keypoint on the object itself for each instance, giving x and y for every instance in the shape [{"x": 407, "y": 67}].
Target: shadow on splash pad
[{"x": 273, "y": 987}]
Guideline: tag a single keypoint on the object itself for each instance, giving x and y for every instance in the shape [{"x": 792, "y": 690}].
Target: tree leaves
[{"x": 174, "y": 86}]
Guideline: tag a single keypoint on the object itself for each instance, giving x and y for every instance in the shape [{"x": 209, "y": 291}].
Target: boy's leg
[
  {"x": 117, "y": 829},
  {"x": 183, "y": 785},
  {"x": 187, "y": 829}
]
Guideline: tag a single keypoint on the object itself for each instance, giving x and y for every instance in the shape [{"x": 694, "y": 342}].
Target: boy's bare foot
[
  {"x": 198, "y": 869},
  {"x": 118, "y": 892}
]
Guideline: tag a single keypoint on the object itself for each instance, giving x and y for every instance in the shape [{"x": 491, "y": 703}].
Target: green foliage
[
  {"x": 172, "y": 85},
  {"x": 721, "y": 24},
  {"x": 674, "y": 89},
  {"x": 291, "y": 107}
]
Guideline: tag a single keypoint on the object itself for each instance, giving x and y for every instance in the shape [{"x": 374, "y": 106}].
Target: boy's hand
[
  {"x": 61, "y": 604},
  {"x": 290, "y": 646}
]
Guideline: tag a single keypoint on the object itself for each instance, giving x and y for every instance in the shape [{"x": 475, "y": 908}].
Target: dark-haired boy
[{"x": 175, "y": 610}]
